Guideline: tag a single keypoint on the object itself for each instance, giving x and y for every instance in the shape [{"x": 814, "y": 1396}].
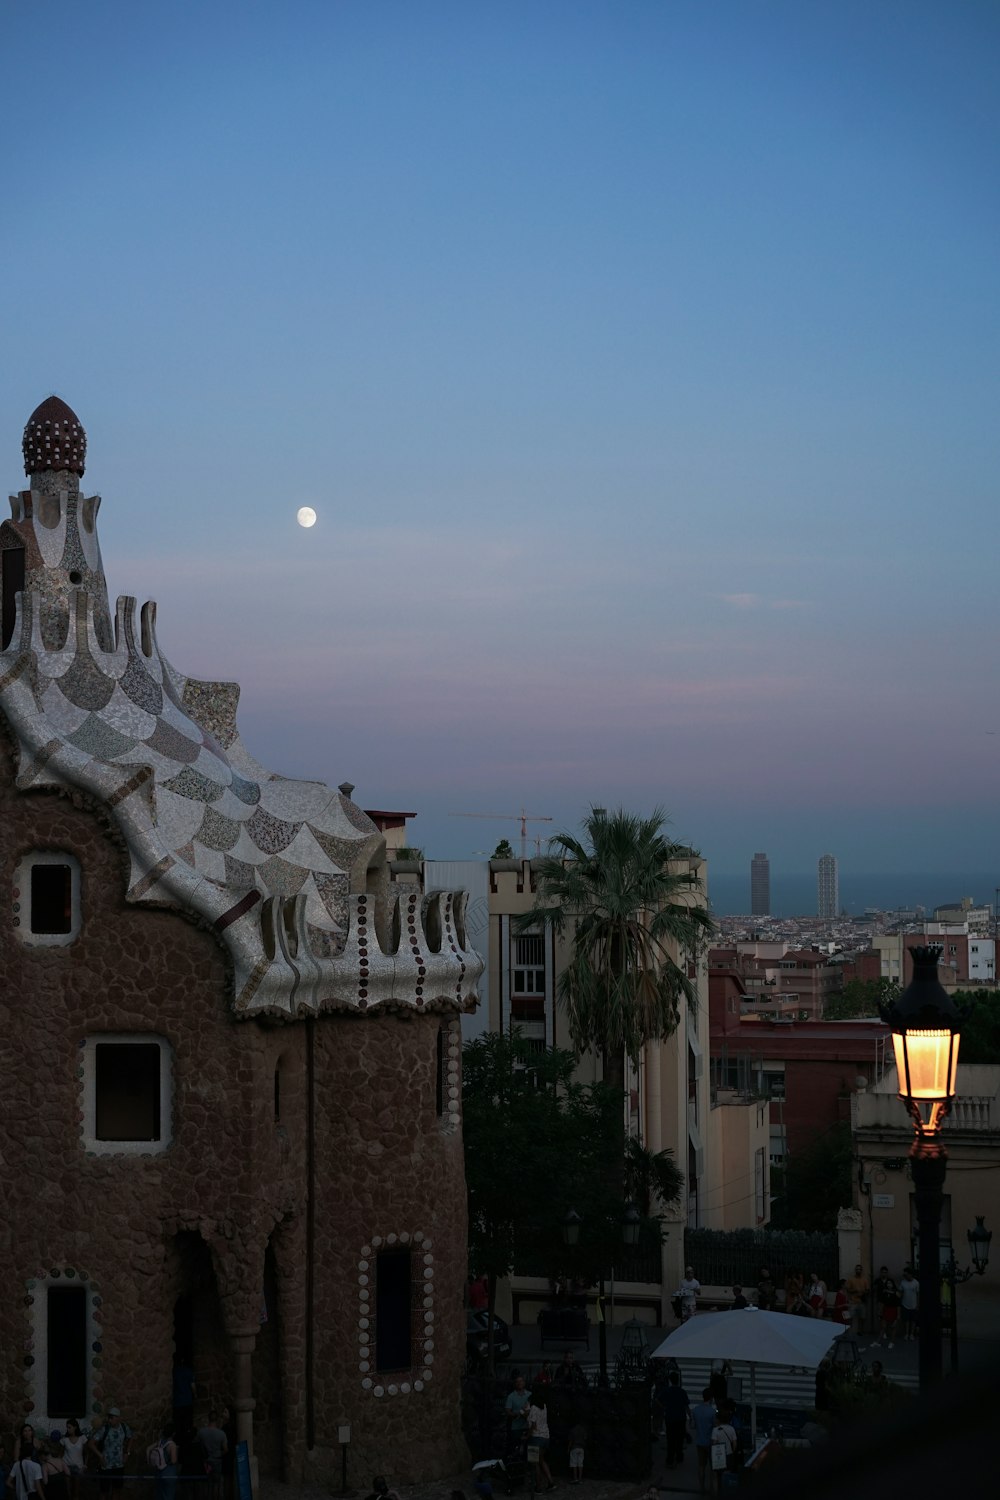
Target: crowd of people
[
  {"x": 55, "y": 1465},
  {"x": 895, "y": 1303}
]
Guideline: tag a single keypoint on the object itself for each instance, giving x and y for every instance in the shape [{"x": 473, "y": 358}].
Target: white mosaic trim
[
  {"x": 34, "y": 1355},
  {"x": 452, "y": 1117},
  {"x": 417, "y": 1377}
]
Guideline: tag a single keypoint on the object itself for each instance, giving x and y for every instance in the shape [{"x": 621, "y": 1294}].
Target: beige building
[
  {"x": 883, "y": 1134},
  {"x": 719, "y": 1141}
]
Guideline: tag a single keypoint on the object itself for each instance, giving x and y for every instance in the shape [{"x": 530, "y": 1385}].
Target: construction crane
[{"x": 522, "y": 817}]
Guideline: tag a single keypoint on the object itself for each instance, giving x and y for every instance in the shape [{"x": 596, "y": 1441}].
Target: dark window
[
  {"x": 51, "y": 898},
  {"x": 439, "y": 1097},
  {"x": 66, "y": 1351},
  {"x": 127, "y": 1091},
  {"x": 393, "y": 1310},
  {"x": 11, "y": 583}
]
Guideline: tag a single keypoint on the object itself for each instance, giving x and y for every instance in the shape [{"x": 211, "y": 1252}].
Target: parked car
[{"x": 476, "y": 1331}]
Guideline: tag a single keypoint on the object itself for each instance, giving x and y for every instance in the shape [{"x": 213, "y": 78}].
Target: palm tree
[{"x": 628, "y": 909}]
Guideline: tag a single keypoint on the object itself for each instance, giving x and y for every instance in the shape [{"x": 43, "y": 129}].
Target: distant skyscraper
[
  {"x": 760, "y": 886},
  {"x": 828, "y": 887}
]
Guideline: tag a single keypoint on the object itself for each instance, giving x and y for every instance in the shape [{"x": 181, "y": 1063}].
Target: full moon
[{"x": 306, "y": 516}]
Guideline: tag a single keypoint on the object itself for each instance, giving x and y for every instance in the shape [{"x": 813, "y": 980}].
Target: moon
[{"x": 306, "y": 516}]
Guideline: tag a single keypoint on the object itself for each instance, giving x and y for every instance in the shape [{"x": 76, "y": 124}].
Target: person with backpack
[
  {"x": 112, "y": 1444},
  {"x": 723, "y": 1447},
  {"x": 25, "y": 1479},
  {"x": 164, "y": 1460}
]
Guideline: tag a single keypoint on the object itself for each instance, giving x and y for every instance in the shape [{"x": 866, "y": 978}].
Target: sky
[{"x": 640, "y": 360}]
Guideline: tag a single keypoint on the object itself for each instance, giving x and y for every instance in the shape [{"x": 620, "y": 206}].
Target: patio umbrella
[{"x": 757, "y": 1338}]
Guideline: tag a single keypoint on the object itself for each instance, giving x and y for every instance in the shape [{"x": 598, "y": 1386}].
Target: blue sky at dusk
[{"x": 641, "y": 360}]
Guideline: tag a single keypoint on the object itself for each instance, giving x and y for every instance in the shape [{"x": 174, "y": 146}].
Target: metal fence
[
  {"x": 734, "y": 1257},
  {"x": 639, "y": 1264}
]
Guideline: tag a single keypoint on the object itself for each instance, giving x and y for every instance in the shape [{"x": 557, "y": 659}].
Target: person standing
[
  {"x": 765, "y": 1291},
  {"x": 858, "y": 1287},
  {"x": 842, "y": 1304},
  {"x": 795, "y": 1302},
  {"x": 516, "y": 1407},
  {"x": 213, "y": 1440},
  {"x": 739, "y": 1301},
  {"x": 890, "y": 1312},
  {"x": 55, "y": 1471},
  {"x": 25, "y": 1479},
  {"x": 577, "y": 1448},
  {"x": 909, "y": 1297},
  {"x": 538, "y": 1434},
  {"x": 568, "y": 1372},
  {"x": 817, "y": 1295},
  {"x": 723, "y": 1449},
  {"x": 882, "y": 1280},
  {"x": 689, "y": 1293},
  {"x": 112, "y": 1445},
  {"x": 165, "y": 1459},
  {"x": 676, "y": 1418},
  {"x": 703, "y": 1421}
]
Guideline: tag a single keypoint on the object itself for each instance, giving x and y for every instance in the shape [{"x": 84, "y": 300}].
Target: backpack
[{"x": 156, "y": 1456}]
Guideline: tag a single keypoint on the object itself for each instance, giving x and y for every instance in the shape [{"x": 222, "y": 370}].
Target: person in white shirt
[
  {"x": 538, "y": 1433},
  {"x": 690, "y": 1292},
  {"x": 909, "y": 1297},
  {"x": 25, "y": 1479}
]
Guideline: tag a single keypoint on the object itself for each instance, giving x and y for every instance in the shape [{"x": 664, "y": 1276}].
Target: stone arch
[{"x": 199, "y": 1337}]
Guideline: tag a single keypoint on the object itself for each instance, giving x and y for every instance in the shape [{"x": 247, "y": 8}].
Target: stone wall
[{"x": 234, "y": 1177}]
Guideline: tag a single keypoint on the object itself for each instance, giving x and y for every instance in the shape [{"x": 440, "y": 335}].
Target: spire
[{"x": 54, "y": 439}]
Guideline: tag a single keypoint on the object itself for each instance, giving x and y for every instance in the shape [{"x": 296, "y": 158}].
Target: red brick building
[
  {"x": 809, "y": 1069},
  {"x": 231, "y": 1103}
]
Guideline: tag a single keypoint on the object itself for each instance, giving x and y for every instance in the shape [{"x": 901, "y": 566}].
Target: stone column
[
  {"x": 849, "y": 1225},
  {"x": 243, "y": 1341}
]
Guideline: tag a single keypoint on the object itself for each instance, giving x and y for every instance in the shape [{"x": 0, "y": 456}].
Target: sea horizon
[{"x": 794, "y": 894}]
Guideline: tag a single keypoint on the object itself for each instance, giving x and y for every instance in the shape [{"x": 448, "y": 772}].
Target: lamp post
[
  {"x": 979, "y": 1248},
  {"x": 925, "y": 1027},
  {"x": 631, "y": 1225}
]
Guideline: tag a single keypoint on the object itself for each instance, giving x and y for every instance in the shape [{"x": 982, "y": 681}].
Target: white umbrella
[{"x": 757, "y": 1338}]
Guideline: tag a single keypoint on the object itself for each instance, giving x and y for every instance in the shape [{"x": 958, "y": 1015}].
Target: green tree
[
  {"x": 860, "y": 997},
  {"x": 504, "y": 850},
  {"x": 980, "y": 1013},
  {"x": 627, "y": 912},
  {"x": 536, "y": 1144},
  {"x": 651, "y": 1178},
  {"x": 814, "y": 1183}
]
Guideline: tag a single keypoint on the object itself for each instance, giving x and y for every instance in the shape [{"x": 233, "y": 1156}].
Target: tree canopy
[
  {"x": 860, "y": 997},
  {"x": 628, "y": 909},
  {"x": 980, "y": 1013},
  {"x": 536, "y": 1145},
  {"x": 814, "y": 1182}
]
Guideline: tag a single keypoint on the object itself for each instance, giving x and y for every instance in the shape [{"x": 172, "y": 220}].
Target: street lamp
[
  {"x": 979, "y": 1248},
  {"x": 631, "y": 1226},
  {"x": 925, "y": 1037}
]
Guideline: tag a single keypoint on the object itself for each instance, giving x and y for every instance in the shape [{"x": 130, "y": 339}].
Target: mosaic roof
[{"x": 278, "y": 866}]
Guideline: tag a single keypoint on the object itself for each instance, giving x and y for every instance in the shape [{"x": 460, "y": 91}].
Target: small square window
[
  {"x": 127, "y": 1091},
  {"x": 126, "y": 1094}
]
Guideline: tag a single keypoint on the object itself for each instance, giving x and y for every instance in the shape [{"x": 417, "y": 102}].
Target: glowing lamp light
[{"x": 925, "y": 1037}]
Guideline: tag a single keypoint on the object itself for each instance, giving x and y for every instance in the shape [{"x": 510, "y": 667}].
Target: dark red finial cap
[{"x": 54, "y": 439}]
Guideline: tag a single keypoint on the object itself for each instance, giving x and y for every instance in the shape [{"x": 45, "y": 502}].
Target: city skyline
[{"x": 628, "y": 356}]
